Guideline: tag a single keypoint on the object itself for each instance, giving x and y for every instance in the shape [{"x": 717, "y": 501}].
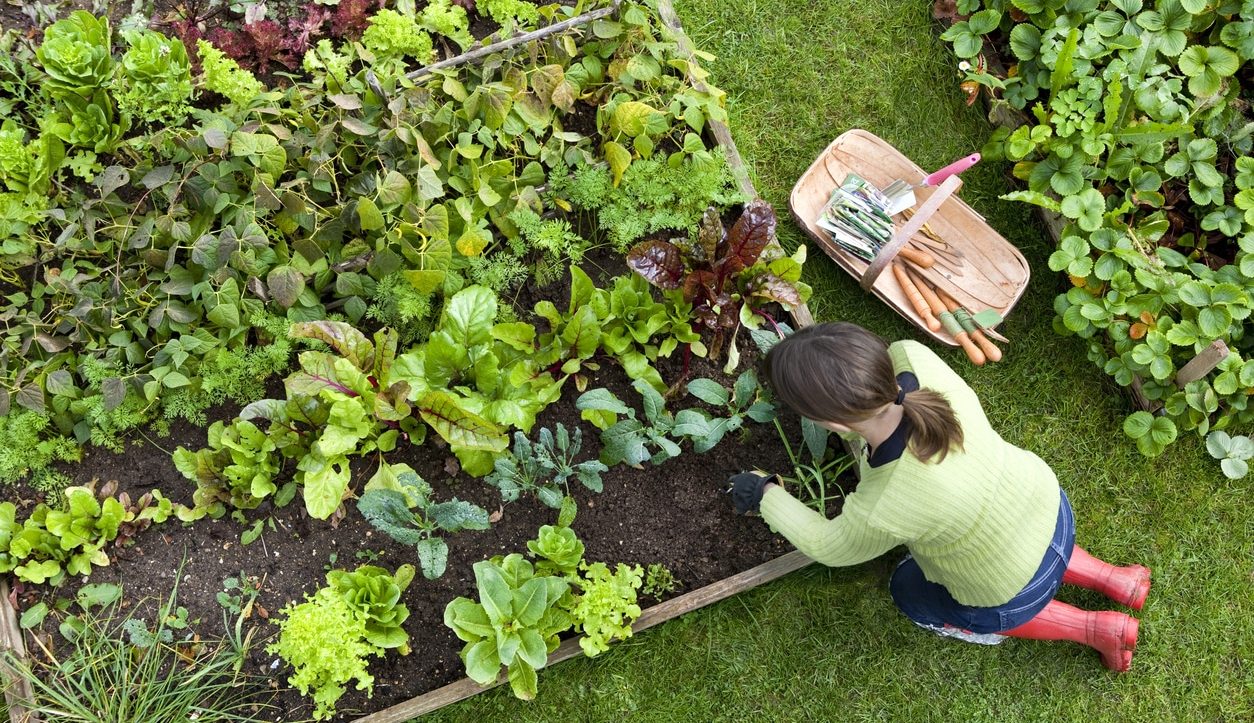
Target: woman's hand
[{"x": 747, "y": 489}]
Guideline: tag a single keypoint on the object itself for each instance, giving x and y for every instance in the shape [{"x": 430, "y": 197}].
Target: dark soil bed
[{"x": 676, "y": 514}]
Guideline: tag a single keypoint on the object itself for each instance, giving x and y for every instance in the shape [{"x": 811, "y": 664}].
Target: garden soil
[{"x": 676, "y": 514}]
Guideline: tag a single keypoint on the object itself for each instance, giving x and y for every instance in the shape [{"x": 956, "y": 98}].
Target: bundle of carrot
[{"x": 939, "y": 310}]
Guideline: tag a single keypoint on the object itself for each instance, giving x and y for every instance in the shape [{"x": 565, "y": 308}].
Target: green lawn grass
[{"x": 827, "y": 644}]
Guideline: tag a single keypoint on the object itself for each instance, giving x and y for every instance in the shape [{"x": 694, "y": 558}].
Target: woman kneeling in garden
[{"x": 990, "y": 534}]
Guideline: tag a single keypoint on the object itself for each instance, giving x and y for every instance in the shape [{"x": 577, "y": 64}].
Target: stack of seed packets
[{"x": 857, "y": 218}]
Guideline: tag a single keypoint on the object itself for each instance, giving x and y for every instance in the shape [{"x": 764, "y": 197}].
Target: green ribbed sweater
[{"x": 978, "y": 523}]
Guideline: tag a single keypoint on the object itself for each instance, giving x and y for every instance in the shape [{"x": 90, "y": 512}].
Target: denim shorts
[{"x": 930, "y": 604}]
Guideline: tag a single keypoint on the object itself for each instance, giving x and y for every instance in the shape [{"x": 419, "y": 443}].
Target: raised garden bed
[{"x": 674, "y": 514}]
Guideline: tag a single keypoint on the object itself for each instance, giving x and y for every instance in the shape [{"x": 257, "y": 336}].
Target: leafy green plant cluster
[
  {"x": 400, "y": 503},
  {"x": 328, "y": 637},
  {"x": 744, "y": 401},
  {"x": 1139, "y": 135},
  {"x": 545, "y": 468},
  {"x": 199, "y": 239},
  {"x": 727, "y": 273},
  {"x": 70, "y": 538},
  {"x": 523, "y": 608}
]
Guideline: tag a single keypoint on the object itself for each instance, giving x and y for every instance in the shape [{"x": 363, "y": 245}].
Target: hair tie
[{"x": 901, "y": 395}]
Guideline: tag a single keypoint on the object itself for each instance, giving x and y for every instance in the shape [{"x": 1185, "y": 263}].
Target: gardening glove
[{"x": 746, "y": 490}]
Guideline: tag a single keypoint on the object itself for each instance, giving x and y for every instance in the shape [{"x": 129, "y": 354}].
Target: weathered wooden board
[{"x": 16, "y": 689}]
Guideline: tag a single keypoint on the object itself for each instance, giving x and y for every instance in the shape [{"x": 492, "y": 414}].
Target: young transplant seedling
[{"x": 398, "y": 502}]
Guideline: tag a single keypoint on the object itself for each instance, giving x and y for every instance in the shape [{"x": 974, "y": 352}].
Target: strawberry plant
[{"x": 1138, "y": 135}]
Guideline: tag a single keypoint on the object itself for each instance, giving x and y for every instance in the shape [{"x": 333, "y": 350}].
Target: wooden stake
[
  {"x": 516, "y": 40},
  {"x": 17, "y": 690}
]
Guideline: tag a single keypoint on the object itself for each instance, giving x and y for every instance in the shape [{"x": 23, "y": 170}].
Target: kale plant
[
  {"x": 545, "y": 468},
  {"x": 630, "y": 440},
  {"x": 706, "y": 430},
  {"x": 399, "y": 503}
]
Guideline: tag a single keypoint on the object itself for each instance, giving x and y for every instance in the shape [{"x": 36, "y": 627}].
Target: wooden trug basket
[{"x": 994, "y": 273}]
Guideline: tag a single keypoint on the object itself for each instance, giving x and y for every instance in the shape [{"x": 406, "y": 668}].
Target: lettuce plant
[
  {"x": 605, "y": 606},
  {"x": 224, "y": 76},
  {"x": 239, "y": 466},
  {"x": 374, "y": 594},
  {"x": 324, "y": 640},
  {"x": 90, "y": 123},
  {"x": 560, "y": 548},
  {"x": 158, "y": 80},
  {"x": 515, "y": 623},
  {"x": 70, "y": 538},
  {"x": 399, "y": 503},
  {"x": 392, "y": 35},
  {"x": 545, "y": 468},
  {"x": 76, "y": 55}
]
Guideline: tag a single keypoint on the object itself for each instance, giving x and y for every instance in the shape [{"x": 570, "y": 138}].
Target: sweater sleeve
[{"x": 845, "y": 540}]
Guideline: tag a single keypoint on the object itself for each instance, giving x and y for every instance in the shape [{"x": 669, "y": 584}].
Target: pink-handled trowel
[{"x": 901, "y": 193}]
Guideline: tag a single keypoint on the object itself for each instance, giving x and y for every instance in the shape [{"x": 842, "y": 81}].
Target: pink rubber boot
[
  {"x": 1125, "y": 585},
  {"x": 1113, "y": 634}
]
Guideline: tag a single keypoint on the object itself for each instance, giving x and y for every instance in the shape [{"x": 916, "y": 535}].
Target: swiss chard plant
[
  {"x": 744, "y": 401},
  {"x": 546, "y": 467},
  {"x": 631, "y": 440},
  {"x": 725, "y": 274},
  {"x": 401, "y": 504}
]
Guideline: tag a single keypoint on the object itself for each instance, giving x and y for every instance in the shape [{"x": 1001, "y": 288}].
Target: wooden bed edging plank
[
  {"x": 486, "y": 50},
  {"x": 17, "y": 690},
  {"x": 660, "y": 613},
  {"x": 800, "y": 315}
]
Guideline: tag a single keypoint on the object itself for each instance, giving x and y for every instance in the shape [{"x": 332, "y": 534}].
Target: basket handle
[{"x": 911, "y": 227}]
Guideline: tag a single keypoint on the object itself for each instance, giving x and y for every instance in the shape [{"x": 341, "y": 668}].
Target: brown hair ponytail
[
  {"x": 842, "y": 373},
  {"x": 935, "y": 427}
]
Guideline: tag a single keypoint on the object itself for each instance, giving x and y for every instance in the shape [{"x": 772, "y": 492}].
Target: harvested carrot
[
  {"x": 951, "y": 324},
  {"x": 916, "y": 298}
]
